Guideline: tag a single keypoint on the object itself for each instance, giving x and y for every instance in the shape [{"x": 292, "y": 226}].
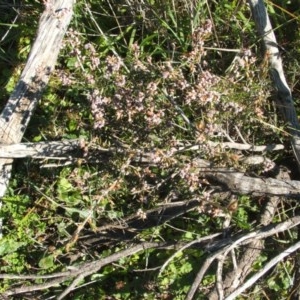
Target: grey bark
[
  {"x": 34, "y": 78},
  {"x": 57, "y": 149},
  {"x": 284, "y": 96}
]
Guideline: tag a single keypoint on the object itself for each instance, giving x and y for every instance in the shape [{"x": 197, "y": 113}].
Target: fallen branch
[
  {"x": 284, "y": 96},
  {"x": 34, "y": 78},
  {"x": 238, "y": 182},
  {"x": 41, "y": 150},
  {"x": 228, "y": 244},
  {"x": 51, "y": 150},
  {"x": 235, "y": 146},
  {"x": 233, "y": 279},
  {"x": 263, "y": 271},
  {"x": 82, "y": 270},
  {"x": 234, "y": 180}
]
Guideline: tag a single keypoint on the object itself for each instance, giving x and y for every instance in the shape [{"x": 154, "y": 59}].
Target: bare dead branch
[
  {"x": 200, "y": 275},
  {"x": 219, "y": 281},
  {"x": 84, "y": 270},
  {"x": 51, "y": 150},
  {"x": 237, "y": 276},
  {"x": 265, "y": 269},
  {"x": 227, "y": 245},
  {"x": 41, "y": 150},
  {"x": 284, "y": 96},
  {"x": 34, "y": 78},
  {"x": 240, "y": 183},
  {"x": 234, "y": 180},
  {"x": 233, "y": 145}
]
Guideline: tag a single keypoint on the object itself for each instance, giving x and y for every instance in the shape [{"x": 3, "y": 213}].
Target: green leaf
[
  {"x": 189, "y": 235},
  {"x": 83, "y": 213},
  {"x": 9, "y": 246},
  {"x": 71, "y": 62},
  {"x": 186, "y": 268},
  {"x": 46, "y": 262},
  {"x": 72, "y": 125},
  {"x": 65, "y": 185},
  {"x": 37, "y": 138}
]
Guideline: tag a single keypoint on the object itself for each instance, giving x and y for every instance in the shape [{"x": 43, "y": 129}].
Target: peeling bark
[
  {"x": 58, "y": 149},
  {"x": 34, "y": 78},
  {"x": 284, "y": 96}
]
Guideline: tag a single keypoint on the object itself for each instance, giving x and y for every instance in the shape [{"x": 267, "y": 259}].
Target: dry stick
[
  {"x": 237, "y": 276},
  {"x": 50, "y": 149},
  {"x": 34, "y": 78},
  {"x": 84, "y": 269},
  {"x": 41, "y": 150},
  {"x": 219, "y": 281},
  {"x": 284, "y": 96},
  {"x": 232, "y": 145},
  {"x": 90, "y": 268},
  {"x": 265, "y": 269},
  {"x": 209, "y": 261},
  {"x": 36, "y": 287},
  {"x": 55, "y": 275},
  {"x": 251, "y": 237},
  {"x": 200, "y": 275},
  {"x": 240, "y": 183},
  {"x": 234, "y": 180},
  {"x": 233, "y": 280},
  {"x": 237, "y": 181}
]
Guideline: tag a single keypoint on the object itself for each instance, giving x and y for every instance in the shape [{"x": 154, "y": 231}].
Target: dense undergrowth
[{"x": 151, "y": 77}]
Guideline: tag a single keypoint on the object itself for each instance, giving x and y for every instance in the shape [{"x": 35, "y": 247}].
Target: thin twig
[
  {"x": 264, "y": 270},
  {"x": 181, "y": 112},
  {"x": 200, "y": 276},
  {"x": 240, "y": 135},
  {"x": 84, "y": 270},
  {"x": 219, "y": 281},
  {"x": 209, "y": 237},
  {"x": 105, "y": 37},
  {"x": 259, "y": 234}
]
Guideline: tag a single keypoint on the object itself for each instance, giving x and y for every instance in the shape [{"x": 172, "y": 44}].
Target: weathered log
[
  {"x": 284, "y": 96},
  {"x": 41, "y": 61},
  {"x": 232, "y": 179},
  {"x": 239, "y": 182},
  {"x": 41, "y": 150},
  {"x": 236, "y": 181},
  {"x": 54, "y": 149}
]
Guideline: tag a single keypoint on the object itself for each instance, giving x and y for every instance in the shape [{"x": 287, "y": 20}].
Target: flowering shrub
[{"x": 136, "y": 95}]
